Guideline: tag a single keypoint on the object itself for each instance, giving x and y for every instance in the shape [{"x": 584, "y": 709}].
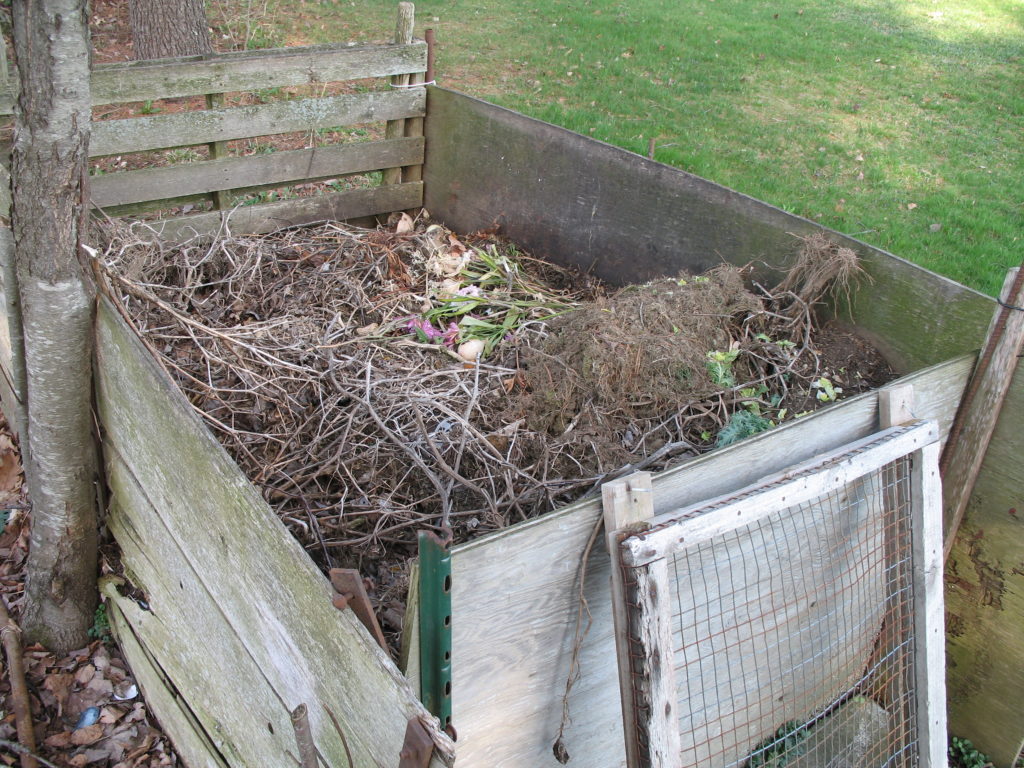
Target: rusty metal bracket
[
  {"x": 350, "y": 592},
  {"x": 418, "y": 746}
]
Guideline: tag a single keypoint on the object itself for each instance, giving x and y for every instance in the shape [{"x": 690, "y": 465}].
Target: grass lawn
[{"x": 896, "y": 121}]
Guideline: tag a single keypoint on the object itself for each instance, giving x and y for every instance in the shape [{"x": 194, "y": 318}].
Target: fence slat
[
  {"x": 254, "y": 171},
  {"x": 244, "y": 71},
  {"x": 141, "y": 134},
  {"x": 267, "y": 217},
  {"x": 396, "y": 128},
  {"x": 929, "y": 610}
]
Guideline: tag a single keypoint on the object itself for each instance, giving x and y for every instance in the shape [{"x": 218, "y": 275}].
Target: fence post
[
  {"x": 929, "y": 618},
  {"x": 643, "y": 632},
  {"x": 395, "y": 129}
]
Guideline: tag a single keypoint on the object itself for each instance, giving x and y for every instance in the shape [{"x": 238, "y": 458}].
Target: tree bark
[
  {"x": 51, "y": 44},
  {"x": 162, "y": 28}
]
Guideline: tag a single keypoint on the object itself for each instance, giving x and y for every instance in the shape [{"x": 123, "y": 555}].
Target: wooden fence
[
  {"x": 516, "y": 593},
  {"x": 206, "y": 108}
]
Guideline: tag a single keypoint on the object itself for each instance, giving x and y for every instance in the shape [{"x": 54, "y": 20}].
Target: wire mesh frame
[{"x": 900, "y": 465}]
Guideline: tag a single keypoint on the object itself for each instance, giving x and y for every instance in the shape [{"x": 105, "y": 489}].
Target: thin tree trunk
[
  {"x": 163, "y": 28},
  {"x": 51, "y": 46}
]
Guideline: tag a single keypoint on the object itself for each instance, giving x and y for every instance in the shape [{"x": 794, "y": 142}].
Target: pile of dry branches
[{"x": 376, "y": 382}]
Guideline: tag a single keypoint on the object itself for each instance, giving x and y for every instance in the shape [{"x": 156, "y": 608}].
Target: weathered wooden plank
[
  {"x": 186, "y": 626},
  {"x": 142, "y": 134},
  {"x": 985, "y": 597},
  {"x": 656, "y": 720},
  {"x": 257, "y": 577},
  {"x": 267, "y": 217},
  {"x": 191, "y": 742},
  {"x": 218, "y": 150},
  {"x": 797, "y": 485},
  {"x": 627, "y": 504},
  {"x": 245, "y": 71},
  {"x": 929, "y": 610},
  {"x": 396, "y": 128},
  {"x": 261, "y": 170},
  {"x": 513, "y": 593},
  {"x": 979, "y": 413},
  {"x": 578, "y": 201}
]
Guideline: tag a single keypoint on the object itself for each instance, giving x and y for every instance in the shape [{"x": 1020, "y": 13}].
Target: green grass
[{"x": 897, "y": 121}]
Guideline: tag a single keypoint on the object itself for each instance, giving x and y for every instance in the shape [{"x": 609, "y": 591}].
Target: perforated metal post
[{"x": 436, "y": 625}]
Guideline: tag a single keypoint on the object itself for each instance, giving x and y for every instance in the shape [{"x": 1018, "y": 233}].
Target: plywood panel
[
  {"x": 578, "y": 201},
  {"x": 514, "y": 594},
  {"x": 985, "y": 597}
]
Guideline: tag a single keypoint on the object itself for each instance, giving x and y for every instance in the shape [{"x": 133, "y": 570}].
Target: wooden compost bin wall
[
  {"x": 578, "y": 201},
  {"x": 238, "y": 617},
  {"x": 238, "y": 628}
]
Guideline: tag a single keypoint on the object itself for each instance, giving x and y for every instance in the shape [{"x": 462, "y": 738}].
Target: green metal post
[{"x": 436, "y": 625}]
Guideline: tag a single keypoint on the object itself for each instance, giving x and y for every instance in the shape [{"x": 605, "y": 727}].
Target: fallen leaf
[
  {"x": 59, "y": 684},
  {"x": 88, "y": 735},
  {"x": 85, "y": 674},
  {"x": 101, "y": 686},
  {"x": 111, "y": 714},
  {"x": 59, "y": 740}
]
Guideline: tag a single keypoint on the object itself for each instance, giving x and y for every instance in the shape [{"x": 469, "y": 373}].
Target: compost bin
[{"x": 200, "y": 541}]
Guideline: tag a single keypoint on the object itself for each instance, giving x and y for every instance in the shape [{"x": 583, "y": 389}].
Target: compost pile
[{"x": 376, "y": 382}]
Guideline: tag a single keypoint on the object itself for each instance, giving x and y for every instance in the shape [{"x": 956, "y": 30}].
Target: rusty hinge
[
  {"x": 418, "y": 746},
  {"x": 350, "y": 592}
]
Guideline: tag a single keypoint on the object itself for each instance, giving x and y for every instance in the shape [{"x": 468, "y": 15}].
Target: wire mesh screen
[{"x": 793, "y": 635}]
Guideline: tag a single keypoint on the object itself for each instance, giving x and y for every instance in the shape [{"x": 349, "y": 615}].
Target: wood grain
[
  {"x": 514, "y": 594},
  {"x": 236, "y": 173},
  {"x": 977, "y": 419},
  {"x": 227, "y": 581},
  {"x": 929, "y": 609},
  {"x": 191, "y": 742},
  {"x": 245, "y": 71},
  {"x": 627, "y": 506},
  {"x": 178, "y": 129},
  {"x": 267, "y": 217}
]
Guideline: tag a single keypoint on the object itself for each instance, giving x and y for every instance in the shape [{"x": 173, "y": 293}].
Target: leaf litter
[
  {"x": 374, "y": 382},
  {"x": 85, "y": 705}
]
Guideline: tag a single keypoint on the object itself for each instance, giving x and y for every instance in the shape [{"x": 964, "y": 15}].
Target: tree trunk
[
  {"x": 51, "y": 44},
  {"x": 162, "y": 28}
]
